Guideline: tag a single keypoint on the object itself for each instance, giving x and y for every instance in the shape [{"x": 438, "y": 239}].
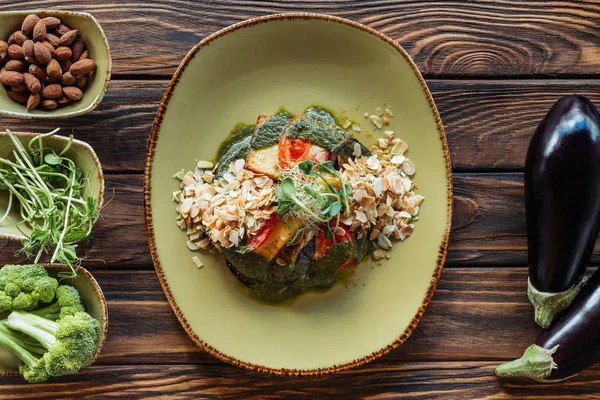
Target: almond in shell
[
  {"x": 21, "y": 97},
  {"x": 63, "y": 53},
  {"x": 20, "y": 38},
  {"x": 68, "y": 38},
  {"x": 51, "y": 22},
  {"x": 15, "y": 51},
  {"x": 33, "y": 101},
  {"x": 15, "y": 65},
  {"x": 49, "y": 104},
  {"x": 68, "y": 79},
  {"x": 28, "y": 48},
  {"x": 42, "y": 54},
  {"x": 73, "y": 92},
  {"x": 29, "y": 23},
  {"x": 53, "y": 69},
  {"x": 39, "y": 31},
  {"x": 52, "y": 91},
  {"x": 11, "y": 78},
  {"x": 32, "y": 82},
  {"x": 83, "y": 67}
]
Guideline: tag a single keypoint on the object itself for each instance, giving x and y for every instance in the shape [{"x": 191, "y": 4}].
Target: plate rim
[{"x": 148, "y": 212}]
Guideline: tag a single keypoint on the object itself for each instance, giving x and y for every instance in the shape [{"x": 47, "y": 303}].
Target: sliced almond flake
[
  {"x": 197, "y": 262},
  {"x": 389, "y": 112},
  {"x": 347, "y": 124},
  {"x": 179, "y": 175},
  {"x": 191, "y": 245},
  {"x": 376, "y": 121},
  {"x": 204, "y": 164},
  {"x": 397, "y": 160},
  {"x": 356, "y": 127},
  {"x": 380, "y": 254},
  {"x": 378, "y": 111},
  {"x": 408, "y": 167},
  {"x": 357, "y": 150}
]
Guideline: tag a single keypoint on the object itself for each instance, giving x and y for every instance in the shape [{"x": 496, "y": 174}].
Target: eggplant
[
  {"x": 570, "y": 345},
  {"x": 562, "y": 203}
]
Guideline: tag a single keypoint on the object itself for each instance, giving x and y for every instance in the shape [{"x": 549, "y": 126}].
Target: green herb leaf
[
  {"x": 52, "y": 159},
  {"x": 328, "y": 234},
  {"x": 306, "y": 167},
  {"x": 335, "y": 209}
]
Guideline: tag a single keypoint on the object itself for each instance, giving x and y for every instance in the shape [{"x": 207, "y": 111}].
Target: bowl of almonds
[{"x": 53, "y": 64}]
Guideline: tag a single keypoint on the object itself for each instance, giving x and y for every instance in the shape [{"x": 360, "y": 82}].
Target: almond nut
[
  {"x": 32, "y": 60},
  {"x": 38, "y": 71},
  {"x": 52, "y": 91},
  {"x": 15, "y": 65},
  {"x": 68, "y": 38},
  {"x": 15, "y": 51},
  {"x": 3, "y": 47},
  {"x": 68, "y": 79},
  {"x": 53, "y": 69},
  {"x": 39, "y": 31},
  {"x": 63, "y": 53},
  {"x": 51, "y": 79},
  {"x": 51, "y": 22},
  {"x": 18, "y": 97},
  {"x": 33, "y": 101},
  {"x": 61, "y": 30},
  {"x": 52, "y": 39},
  {"x": 20, "y": 88},
  {"x": 11, "y": 39},
  {"x": 49, "y": 47},
  {"x": 42, "y": 53},
  {"x": 28, "y": 48},
  {"x": 83, "y": 67},
  {"x": 73, "y": 92},
  {"x": 63, "y": 99},
  {"x": 82, "y": 81},
  {"x": 49, "y": 104},
  {"x": 11, "y": 78},
  {"x": 78, "y": 47},
  {"x": 29, "y": 23},
  {"x": 84, "y": 56},
  {"x": 32, "y": 82},
  {"x": 20, "y": 38},
  {"x": 66, "y": 65}
]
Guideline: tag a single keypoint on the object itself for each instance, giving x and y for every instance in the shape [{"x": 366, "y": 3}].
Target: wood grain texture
[
  {"x": 477, "y": 319},
  {"x": 428, "y": 381},
  {"x": 485, "y": 38},
  {"x": 488, "y": 123},
  {"x": 488, "y": 226}
]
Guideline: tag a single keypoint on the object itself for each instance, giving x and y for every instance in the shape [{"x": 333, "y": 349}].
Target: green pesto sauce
[
  {"x": 269, "y": 131},
  {"x": 319, "y": 127},
  {"x": 236, "y": 145}
]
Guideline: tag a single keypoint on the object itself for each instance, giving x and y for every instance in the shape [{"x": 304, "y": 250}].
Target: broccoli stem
[
  {"x": 41, "y": 329},
  {"x": 28, "y": 343},
  {"x": 51, "y": 312},
  {"x": 10, "y": 342}
]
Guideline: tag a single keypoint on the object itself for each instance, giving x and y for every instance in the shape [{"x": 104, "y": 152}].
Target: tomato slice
[
  {"x": 294, "y": 150},
  {"x": 256, "y": 240},
  {"x": 323, "y": 245}
]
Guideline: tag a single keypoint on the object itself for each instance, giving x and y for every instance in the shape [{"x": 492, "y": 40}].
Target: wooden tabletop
[{"x": 494, "y": 68}]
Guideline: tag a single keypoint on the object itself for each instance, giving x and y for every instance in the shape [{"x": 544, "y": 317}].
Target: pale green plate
[
  {"x": 296, "y": 60},
  {"x": 97, "y": 45},
  {"x": 93, "y": 301}
]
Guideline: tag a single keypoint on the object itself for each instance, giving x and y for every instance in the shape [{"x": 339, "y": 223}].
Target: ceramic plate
[{"x": 296, "y": 60}]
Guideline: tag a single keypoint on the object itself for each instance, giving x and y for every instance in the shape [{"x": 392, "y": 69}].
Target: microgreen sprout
[
  {"x": 47, "y": 190},
  {"x": 307, "y": 193}
]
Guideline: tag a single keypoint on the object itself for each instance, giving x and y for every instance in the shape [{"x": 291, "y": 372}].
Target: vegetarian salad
[{"x": 292, "y": 200}]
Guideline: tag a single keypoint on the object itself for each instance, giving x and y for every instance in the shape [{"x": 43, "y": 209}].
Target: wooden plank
[
  {"x": 490, "y": 38},
  {"x": 488, "y": 224},
  {"x": 446, "y": 380},
  {"x": 488, "y": 123},
  {"x": 475, "y": 315}
]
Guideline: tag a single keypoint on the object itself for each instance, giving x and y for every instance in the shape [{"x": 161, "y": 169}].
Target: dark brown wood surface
[{"x": 494, "y": 68}]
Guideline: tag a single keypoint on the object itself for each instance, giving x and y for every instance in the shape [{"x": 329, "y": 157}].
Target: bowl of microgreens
[{"x": 51, "y": 194}]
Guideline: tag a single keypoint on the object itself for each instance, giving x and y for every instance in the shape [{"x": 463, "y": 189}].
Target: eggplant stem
[
  {"x": 548, "y": 306},
  {"x": 536, "y": 363}
]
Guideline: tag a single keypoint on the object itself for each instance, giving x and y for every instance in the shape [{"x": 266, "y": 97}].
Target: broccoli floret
[
  {"x": 26, "y": 286},
  {"x": 68, "y": 302},
  {"x": 71, "y": 343}
]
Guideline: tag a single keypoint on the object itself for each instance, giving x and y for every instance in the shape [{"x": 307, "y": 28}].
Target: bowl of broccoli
[{"x": 49, "y": 327}]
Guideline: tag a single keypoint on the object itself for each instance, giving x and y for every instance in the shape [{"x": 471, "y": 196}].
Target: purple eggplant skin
[
  {"x": 562, "y": 194},
  {"x": 577, "y": 333}
]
